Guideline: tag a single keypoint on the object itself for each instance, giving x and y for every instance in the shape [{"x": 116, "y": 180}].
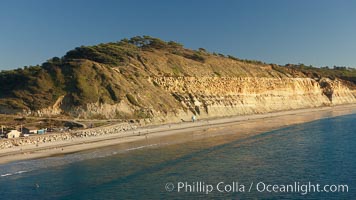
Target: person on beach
[{"x": 193, "y": 118}]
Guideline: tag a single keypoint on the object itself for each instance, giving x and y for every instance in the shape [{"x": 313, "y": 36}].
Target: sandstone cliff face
[
  {"x": 227, "y": 96},
  {"x": 209, "y": 97},
  {"x": 337, "y": 92},
  {"x": 91, "y": 110}
]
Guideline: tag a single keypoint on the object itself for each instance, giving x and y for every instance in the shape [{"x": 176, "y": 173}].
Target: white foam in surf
[
  {"x": 10, "y": 174},
  {"x": 141, "y": 147},
  {"x": 20, "y": 172},
  {"x": 2, "y": 175}
]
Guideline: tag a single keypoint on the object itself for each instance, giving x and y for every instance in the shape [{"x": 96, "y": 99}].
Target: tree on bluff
[
  {"x": 148, "y": 42},
  {"x": 175, "y": 45}
]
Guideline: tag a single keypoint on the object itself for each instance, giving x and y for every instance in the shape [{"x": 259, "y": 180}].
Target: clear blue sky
[{"x": 317, "y": 32}]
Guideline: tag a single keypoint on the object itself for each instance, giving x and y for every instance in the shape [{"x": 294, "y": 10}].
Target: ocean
[{"x": 314, "y": 160}]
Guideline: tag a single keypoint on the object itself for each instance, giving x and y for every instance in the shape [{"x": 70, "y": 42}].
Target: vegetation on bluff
[{"x": 345, "y": 73}]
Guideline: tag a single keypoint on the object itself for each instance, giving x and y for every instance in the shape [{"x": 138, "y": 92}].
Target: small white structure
[
  {"x": 13, "y": 134},
  {"x": 33, "y": 131}
]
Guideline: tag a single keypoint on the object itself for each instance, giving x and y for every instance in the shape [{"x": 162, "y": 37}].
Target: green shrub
[
  {"x": 233, "y": 58},
  {"x": 195, "y": 56},
  {"x": 132, "y": 99}
]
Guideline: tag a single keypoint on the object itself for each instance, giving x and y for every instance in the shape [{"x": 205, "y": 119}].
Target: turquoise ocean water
[{"x": 320, "y": 152}]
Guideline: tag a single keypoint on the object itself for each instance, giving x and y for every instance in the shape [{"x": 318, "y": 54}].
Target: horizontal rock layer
[{"x": 213, "y": 96}]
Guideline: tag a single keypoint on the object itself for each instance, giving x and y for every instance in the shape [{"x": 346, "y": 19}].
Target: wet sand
[{"x": 241, "y": 126}]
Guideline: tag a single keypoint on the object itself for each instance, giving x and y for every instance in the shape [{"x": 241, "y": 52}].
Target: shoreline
[{"x": 247, "y": 125}]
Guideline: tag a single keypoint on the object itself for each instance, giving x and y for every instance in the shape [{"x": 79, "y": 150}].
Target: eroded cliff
[
  {"x": 160, "y": 81},
  {"x": 215, "y": 96}
]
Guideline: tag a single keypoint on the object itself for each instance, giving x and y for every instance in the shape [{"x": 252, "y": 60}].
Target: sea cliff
[{"x": 154, "y": 81}]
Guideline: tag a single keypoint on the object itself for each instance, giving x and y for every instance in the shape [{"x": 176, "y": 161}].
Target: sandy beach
[{"x": 243, "y": 126}]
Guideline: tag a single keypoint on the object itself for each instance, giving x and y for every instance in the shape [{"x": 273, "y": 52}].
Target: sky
[{"x": 313, "y": 32}]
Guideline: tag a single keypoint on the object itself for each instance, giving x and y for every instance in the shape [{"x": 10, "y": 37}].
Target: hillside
[{"x": 147, "y": 78}]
